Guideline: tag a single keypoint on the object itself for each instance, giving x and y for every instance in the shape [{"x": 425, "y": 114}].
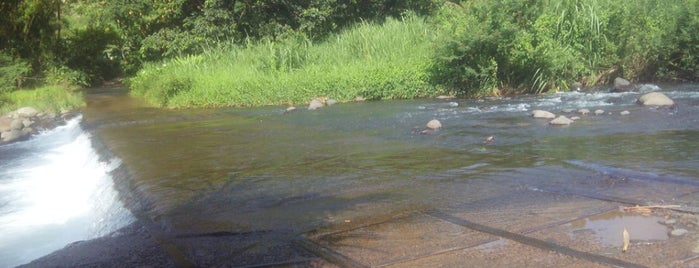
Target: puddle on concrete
[{"x": 608, "y": 227}]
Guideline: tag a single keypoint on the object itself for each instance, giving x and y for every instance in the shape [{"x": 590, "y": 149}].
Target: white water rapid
[{"x": 54, "y": 190}]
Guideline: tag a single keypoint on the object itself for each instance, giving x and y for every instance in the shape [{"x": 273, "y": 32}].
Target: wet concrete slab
[{"x": 400, "y": 240}]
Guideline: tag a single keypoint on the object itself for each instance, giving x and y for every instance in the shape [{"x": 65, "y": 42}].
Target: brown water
[{"x": 252, "y": 169}]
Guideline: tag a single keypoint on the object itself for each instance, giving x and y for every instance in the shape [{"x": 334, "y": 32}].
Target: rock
[
  {"x": 315, "y": 104},
  {"x": 625, "y": 113},
  {"x": 453, "y": 104},
  {"x": 27, "y": 123},
  {"x": 290, "y": 109},
  {"x": 599, "y": 112},
  {"x": 489, "y": 140},
  {"x": 678, "y": 232},
  {"x": 670, "y": 221},
  {"x": 655, "y": 99},
  {"x": 567, "y": 110},
  {"x": 434, "y": 124},
  {"x": 575, "y": 118},
  {"x": 5, "y": 124},
  {"x": 445, "y": 97},
  {"x": 622, "y": 85},
  {"x": 11, "y": 135},
  {"x": 17, "y": 124},
  {"x": 584, "y": 111},
  {"x": 543, "y": 114},
  {"x": 359, "y": 99},
  {"x": 577, "y": 86},
  {"x": 561, "y": 120},
  {"x": 330, "y": 102},
  {"x": 26, "y": 112}
]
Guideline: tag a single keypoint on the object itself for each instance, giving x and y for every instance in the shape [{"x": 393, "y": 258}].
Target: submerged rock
[
  {"x": 625, "y": 113},
  {"x": 655, "y": 99},
  {"x": 543, "y": 114},
  {"x": 290, "y": 109},
  {"x": 434, "y": 124},
  {"x": 561, "y": 120}
]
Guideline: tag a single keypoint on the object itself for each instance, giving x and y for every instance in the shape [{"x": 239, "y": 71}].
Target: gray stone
[
  {"x": 27, "y": 123},
  {"x": 543, "y": 114},
  {"x": 434, "y": 124},
  {"x": 575, "y": 118},
  {"x": 568, "y": 110},
  {"x": 290, "y": 109},
  {"x": 17, "y": 124},
  {"x": 622, "y": 85},
  {"x": 678, "y": 232},
  {"x": 670, "y": 221},
  {"x": 561, "y": 120},
  {"x": 655, "y": 99},
  {"x": 599, "y": 112},
  {"x": 359, "y": 99},
  {"x": 315, "y": 104},
  {"x": 330, "y": 102},
  {"x": 625, "y": 113},
  {"x": 584, "y": 111},
  {"x": 26, "y": 112},
  {"x": 11, "y": 135},
  {"x": 5, "y": 124}
]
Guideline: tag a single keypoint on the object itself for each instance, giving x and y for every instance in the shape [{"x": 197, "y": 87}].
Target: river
[{"x": 245, "y": 170}]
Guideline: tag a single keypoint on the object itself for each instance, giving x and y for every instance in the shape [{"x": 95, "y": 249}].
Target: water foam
[{"x": 55, "y": 191}]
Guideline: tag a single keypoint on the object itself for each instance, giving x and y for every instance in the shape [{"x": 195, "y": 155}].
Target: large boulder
[
  {"x": 622, "y": 85},
  {"x": 655, "y": 99},
  {"x": 26, "y": 112},
  {"x": 543, "y": 114}
]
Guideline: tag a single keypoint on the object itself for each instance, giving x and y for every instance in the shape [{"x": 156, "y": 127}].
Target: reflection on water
[
  {"x": 240, "y": 169},
  {"x": 608, "y": 227}
]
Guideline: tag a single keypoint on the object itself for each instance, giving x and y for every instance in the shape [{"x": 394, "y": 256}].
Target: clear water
[
  {"x": 54, "y": 191},
  {"x": 243, "y": 169}
]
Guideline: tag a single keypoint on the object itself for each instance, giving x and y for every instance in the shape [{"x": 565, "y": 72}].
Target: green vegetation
[
  {"x": 536, "y": 46},
  {"x": 373, "y": 61},
  {"x": 47, "y": 98},
  {"x": 208, "y": 53}
]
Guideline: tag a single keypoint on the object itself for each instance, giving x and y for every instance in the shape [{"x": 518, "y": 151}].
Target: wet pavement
[{"x": 530, "y": 227}]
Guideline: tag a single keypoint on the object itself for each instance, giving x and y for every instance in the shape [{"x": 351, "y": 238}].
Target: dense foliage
[
  {"x": 468, "y": 47},
  {"x": 535, "y": 46}
]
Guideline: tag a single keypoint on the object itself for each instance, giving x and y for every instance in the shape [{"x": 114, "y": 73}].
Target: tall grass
[
  {"x": 386, "y": 61},
  {"x": 537, "y": 46},
  {"x": 46, "y": 98}
]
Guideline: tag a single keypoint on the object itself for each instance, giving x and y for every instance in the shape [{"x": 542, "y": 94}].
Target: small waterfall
[{"x": 54, "y": 190}]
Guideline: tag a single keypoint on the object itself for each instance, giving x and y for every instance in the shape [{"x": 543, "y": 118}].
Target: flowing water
[
  {"x": 242, "y": 170},
  {"x": 54, "y": 190}
]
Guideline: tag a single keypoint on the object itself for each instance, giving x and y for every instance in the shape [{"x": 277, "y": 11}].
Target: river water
[{"x": 237, "y": 170}]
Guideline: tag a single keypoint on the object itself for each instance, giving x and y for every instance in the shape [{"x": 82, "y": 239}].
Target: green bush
[
  {"x": 537, "y": 46},
  {"x": 13, "y": 71}
]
